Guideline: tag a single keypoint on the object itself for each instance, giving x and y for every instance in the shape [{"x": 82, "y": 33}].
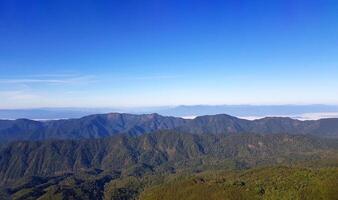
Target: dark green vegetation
[
  {"x": 84, "y": 185},
  {"x": 122, "y": 156},
  {"x": 289, "y": 183},
  {"x": 104, "y": 125},
  {"x": 159, "y": 151},
  {"x": 129, "y": 167}
]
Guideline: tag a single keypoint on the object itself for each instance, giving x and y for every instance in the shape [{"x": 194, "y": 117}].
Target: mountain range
[
  {"x": 127, "y": 156},
  {"x": 104, "y": 125}
]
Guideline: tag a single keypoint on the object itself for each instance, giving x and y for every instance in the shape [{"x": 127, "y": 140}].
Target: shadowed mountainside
[
  {"x": 104, "y": 125},
  {"x": 152, "y": 152},
  {"x": 129, "y": 167},
  {"x": 93, "y": 126}
]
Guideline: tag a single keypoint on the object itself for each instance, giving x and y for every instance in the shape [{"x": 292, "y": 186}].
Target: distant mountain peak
[{"x": 103, "y": 125}]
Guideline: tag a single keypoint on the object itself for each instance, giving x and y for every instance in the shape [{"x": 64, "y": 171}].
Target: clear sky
[{"x": 89, "y": 53}]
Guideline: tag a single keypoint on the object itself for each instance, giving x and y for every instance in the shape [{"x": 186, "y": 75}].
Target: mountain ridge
[{"x": 104, "y": 125}]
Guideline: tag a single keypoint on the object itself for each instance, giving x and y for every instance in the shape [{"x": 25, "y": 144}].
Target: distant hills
[
  {"x": 306, "y": 112},
  {"x": 259, "y": 111},
  {"x": 93, "y": 126},
  {"x": 104, "y": 125}
]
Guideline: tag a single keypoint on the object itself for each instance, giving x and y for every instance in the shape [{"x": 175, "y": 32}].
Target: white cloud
[{"x": 303, "y": 116}]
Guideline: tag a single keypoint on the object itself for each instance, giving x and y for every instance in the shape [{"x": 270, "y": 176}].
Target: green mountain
[
  {"x": 105, "y": 125},
  {"x": 93, "y": 126},
  {"x": 152, "y": 151},
  {"x": 80, "y": 168},
  {"x": 123, "y": 156}
]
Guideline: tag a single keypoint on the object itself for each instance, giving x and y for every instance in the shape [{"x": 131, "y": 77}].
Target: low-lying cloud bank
[{"x": 300, "y": 112}]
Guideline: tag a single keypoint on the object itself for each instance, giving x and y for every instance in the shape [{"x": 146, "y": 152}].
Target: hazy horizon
[{"x": 301, "y": 112}]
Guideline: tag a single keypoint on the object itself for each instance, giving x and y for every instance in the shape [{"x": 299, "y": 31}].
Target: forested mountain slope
[{"x": 162, "y": 151}]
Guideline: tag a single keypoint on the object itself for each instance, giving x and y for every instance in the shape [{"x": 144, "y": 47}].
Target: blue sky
[{"x": 154, "y": 53}]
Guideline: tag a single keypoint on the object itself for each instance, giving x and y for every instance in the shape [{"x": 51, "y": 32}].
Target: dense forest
[{"x": 172, "y": 165}]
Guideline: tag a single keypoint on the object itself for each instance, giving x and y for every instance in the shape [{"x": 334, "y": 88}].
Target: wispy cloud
[
  {"x": 63, "y": 75},
  {"x": 76, "y": 79},
  {"x": 49, "y": 79},
  {"x": 151, "y": 77},
  {"x": 18, "y": 95}
]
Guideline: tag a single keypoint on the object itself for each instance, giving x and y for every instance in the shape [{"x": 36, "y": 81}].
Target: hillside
[
  {"x": 289, "y": 183},
  {"x": 157, "y": 151},
  {"x": 265, "y": 183},
  {"x": 122, "y": 166}
]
